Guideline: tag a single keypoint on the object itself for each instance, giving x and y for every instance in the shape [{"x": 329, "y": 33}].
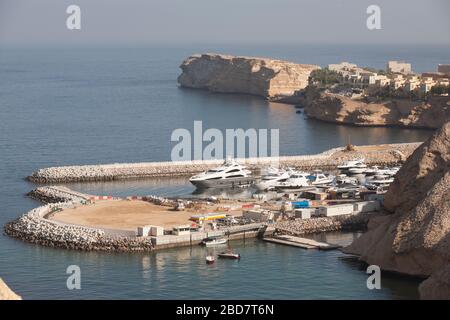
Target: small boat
[
  {"x": 211, "y": 242},
  {"x": 210, "y": 259},
  {"x": 229, "y": 255}
]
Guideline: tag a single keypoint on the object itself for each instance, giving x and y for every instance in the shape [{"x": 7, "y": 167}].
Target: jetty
[
  {"x": 383, "y": 155},
  {"x": 303, "y": 243}
]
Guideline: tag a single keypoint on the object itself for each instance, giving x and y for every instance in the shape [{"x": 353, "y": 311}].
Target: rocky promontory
[
  {"x": 415, "y": 238},
  {"x": 336, "y": 108},
  {"x": 268, "y": 78},
  {"x": 6, "y": 293}
]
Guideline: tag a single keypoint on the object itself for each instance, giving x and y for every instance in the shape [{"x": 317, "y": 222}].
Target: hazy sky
[{"x": 174, "y": 22}]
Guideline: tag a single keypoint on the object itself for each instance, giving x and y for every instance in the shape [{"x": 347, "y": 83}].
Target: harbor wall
[{"x": 388, "y": 154}]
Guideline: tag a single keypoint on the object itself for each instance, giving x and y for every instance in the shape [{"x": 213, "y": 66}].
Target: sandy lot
[{"x": 128, "y": 215}]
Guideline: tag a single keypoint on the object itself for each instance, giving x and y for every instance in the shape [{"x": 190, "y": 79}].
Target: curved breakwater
[
  {"x": 388, "y": 154},
  {"x": 35, "y": 227}
]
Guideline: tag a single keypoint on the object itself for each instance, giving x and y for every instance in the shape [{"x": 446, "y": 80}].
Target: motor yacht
[
  {"x": 343, "y": 179},
  {"x": 320, "y": 178},
  {"x": 229, "y": 174},
  {"x": 357, "y": 170},
  {"x": 295, "y": 180},
  {"x": 356, "y": 163},
  {"x": 272, "y": 177}
]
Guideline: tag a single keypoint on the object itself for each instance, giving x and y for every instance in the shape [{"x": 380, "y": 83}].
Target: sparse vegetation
[
  {"x": 325, "y": 77},
  {"x": 440, "y": 89}
]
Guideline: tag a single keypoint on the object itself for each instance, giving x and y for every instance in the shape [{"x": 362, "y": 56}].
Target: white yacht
[
  {"x": 356, "y": 163},
  {"x": 272, "y": 177},
  {"x": 229, "y": 174},
  {"x": 379, "y": 182},
  {"x": 320, "y": 178},
  {"x": 357, "y": 170},
  {"x": 295, "y": 180}
]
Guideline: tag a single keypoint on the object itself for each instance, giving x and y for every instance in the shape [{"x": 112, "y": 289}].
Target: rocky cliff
[
  {"x": 415, "y": 238},
  {"x": 6, "y": 293},
  {"x": 271, "y": 79},
  {"x": 395, "y": 112}
]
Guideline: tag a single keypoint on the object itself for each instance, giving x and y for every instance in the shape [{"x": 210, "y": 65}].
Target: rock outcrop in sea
[
  {"x": 336, "y": 108},
  {"x": 6, "y": 293},
  {"x": 415, "y": 238},
  {"x": 271, "y": 79}
]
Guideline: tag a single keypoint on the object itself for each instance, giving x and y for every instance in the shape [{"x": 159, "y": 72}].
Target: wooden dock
[{"x": 302, "y": 242}]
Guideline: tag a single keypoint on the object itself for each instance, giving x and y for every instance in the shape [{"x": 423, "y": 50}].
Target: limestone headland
[
  {"x": 268, "y": 78},
  {"x": 337, "y": 108}
]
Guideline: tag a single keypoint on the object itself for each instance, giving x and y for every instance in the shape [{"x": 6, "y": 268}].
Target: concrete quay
[{"x": 387, "y": 154}]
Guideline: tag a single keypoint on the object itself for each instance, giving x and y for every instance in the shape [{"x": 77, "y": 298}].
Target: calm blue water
[{"x": 61, "y": 106}]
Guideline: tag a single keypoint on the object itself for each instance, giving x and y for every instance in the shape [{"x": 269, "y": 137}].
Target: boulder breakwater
[
  {"x": 388, "y": 154},
  {"x": 350, "y": 222},
  {"x": 35, "y": 227}
]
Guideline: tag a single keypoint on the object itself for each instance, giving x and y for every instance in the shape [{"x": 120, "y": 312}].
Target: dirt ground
[{"x": 128, "y": 215}]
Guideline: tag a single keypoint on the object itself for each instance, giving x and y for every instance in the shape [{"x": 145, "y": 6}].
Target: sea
[{"x": 90, "y": 105}]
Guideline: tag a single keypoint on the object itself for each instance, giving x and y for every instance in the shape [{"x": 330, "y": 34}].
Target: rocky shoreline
[
  {"x": 404, "y": 113},
  {"x": 414, "y": 238},
  {"x": 389, "y": 154}
]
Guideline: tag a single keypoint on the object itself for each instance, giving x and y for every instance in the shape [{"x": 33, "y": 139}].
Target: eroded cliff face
[
  {"x": 271, "y": 79},
  {"x": 396, "y": 112},
  {"x": 415, "y": 238}
]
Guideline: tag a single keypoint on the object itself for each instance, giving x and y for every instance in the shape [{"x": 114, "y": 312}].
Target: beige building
[
  {"x": 399, "y": 67},
  {"x": 338, "y": 67}
]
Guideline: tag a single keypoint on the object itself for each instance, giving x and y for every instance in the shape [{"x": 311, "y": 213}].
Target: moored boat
[
  {"x": 229, "y": 174},
  {"x": 271, "y": 178},
  {"x": 210, "y": 259},
  {"x": 319, "y": 178},
  {"x": 356, "y": 163},
  {"x": 211, "y": 242},
  {"x": 229, "y": 255}
]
